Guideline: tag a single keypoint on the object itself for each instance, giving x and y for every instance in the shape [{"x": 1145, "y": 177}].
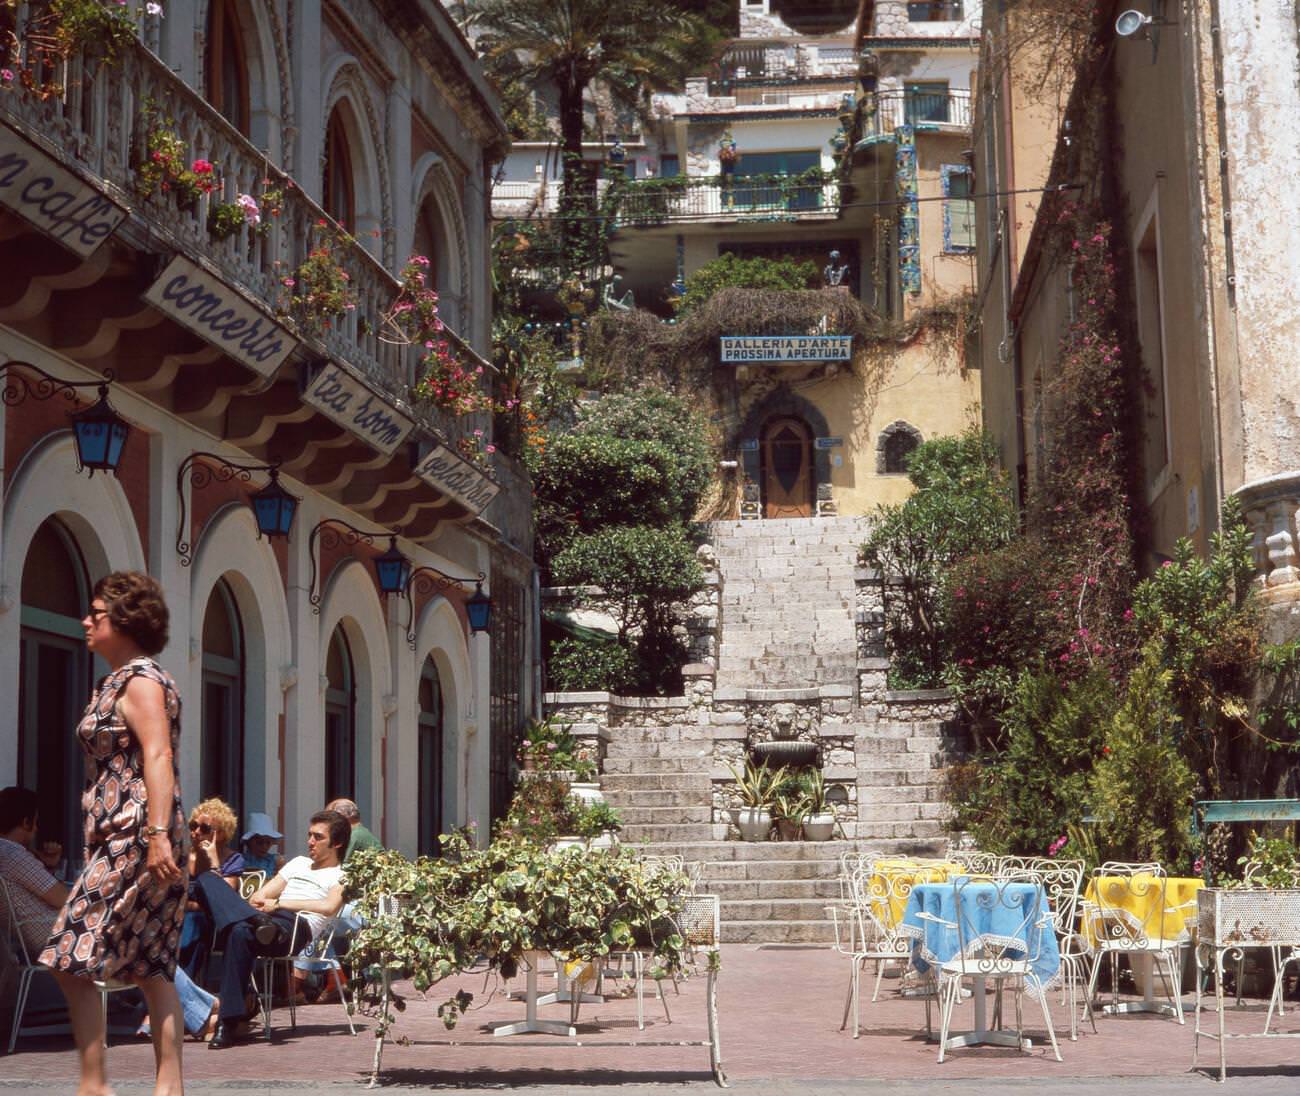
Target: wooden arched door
[{"x": 787, "y": 468}]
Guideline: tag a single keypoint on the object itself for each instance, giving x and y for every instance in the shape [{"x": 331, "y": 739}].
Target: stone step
[
  {"x": 667, "y": 781},
  {"x": 679, "y": 833},
  {"x": 657, "y": 764},
  {"x": 791, "y": 852},
  {"x": 657, "y": 797},
  {"x": 778, "y": 932},
  {"x": 677, "y": 732},
  {"x": 630, "y": 747},
  {"x": 638, "y": 816},
  {"x": 731, "y": 890},
  {"x": 778, "y": 909}
]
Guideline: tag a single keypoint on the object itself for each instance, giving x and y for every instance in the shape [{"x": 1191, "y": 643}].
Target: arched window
[
  {"x": 339, "y": 191},
  {"x": 53, "y": 681},
  {"x": 221, "y": 770},
  {"x": 225, "y": 65},
  {"x": 430, "y": 241},
  {"x": 431, "y": 766},
  {"x": 340, "y": 720},
  {"x": 896, "y": 443}
]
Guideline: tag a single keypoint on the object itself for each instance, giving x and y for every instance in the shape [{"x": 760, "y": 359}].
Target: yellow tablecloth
[
  {"x": 1159, "y": 908},
  {"x": 893, "y": 879}
]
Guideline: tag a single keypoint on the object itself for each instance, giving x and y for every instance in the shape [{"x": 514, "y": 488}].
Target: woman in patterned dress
[{"x": 122, "y": 920}]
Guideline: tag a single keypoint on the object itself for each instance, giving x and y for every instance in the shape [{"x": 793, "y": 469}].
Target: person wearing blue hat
[{"x": 258, "y": 842}]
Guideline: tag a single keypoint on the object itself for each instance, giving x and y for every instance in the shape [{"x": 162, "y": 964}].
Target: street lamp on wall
[
  {"x": 273, "y": 507},
  {"x": 99, "y": 431},
  {"x": 392, "y": 569},
  {"x": 429, "y": 580}
]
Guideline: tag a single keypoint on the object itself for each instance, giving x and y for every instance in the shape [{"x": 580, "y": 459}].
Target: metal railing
[
  {"x": 738, "y": 197},
  {"x": 99, "y": 128},
  {"x": 890, "y": 109},
  {"x": 755, "y": 66}
]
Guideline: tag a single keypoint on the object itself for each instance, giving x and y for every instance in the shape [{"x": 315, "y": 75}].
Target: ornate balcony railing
[
  {"x": 757, "y": 66},
  {"x": 887, "y": 110},
  {"x": 739, "y": 198},
  {"x": 100, "y": 127}
]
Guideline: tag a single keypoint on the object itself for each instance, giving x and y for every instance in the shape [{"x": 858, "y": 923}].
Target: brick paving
[{"x": 780, "y": 1013}]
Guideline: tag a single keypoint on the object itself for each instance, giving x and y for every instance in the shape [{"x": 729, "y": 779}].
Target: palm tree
[{"x": 629, "y": 47}]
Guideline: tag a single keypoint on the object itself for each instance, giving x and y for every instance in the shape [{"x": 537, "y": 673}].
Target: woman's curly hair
[
  {"x": 222, "y": 817},
  {"x": 136, "y": 608}
]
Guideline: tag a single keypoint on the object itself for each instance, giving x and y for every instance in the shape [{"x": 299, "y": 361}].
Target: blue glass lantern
[
  {"x": 274, "y": 508},
  {"x": 478, "y": 607},
  {"x": 393, "y": 569},
  {"x": 100, "y": 434}
]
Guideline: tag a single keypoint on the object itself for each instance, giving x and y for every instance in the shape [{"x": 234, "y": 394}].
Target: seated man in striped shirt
[{"x": 35, "y": 894}]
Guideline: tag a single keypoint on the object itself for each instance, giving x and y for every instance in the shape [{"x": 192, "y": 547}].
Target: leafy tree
[
  {"x": 1023, "y": 798},
  {"x": 731, "y": 271},
  {"x": 632, "y": 459},
  {"x": 646, "y": 572},
  {"x": 629, "y": 47},
  {"x": 961, "y": 506}
]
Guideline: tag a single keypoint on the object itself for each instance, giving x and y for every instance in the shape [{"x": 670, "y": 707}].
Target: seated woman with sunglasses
[{"x": 212, "y": 828}]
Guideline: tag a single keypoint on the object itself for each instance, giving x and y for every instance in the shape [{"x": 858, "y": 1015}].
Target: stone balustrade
[
  {"x": 1270, "y": 506},
  {"x": 99, "y": 129}
]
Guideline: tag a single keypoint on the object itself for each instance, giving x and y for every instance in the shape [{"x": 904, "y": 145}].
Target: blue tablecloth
[{"x": 1020, "y": 913}]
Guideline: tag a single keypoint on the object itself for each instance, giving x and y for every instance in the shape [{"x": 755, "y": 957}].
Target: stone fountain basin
[{"x": 785, "y": 752}]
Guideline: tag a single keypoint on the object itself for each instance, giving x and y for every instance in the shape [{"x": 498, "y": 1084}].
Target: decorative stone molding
[{"x": 288, "y": 677}]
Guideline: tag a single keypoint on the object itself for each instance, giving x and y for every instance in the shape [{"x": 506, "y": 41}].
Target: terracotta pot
[{"x": 787, "y": 829}]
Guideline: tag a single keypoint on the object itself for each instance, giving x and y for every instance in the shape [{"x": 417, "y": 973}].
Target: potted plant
[
  {"x": 756, "y": 787},
  {"x": 819, "y": 821},
  {"x": 789, "y": 808},
  {"x": 598, "y": 823}
]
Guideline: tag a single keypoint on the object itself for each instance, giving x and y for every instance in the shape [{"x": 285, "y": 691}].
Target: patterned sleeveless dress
[{"x": 118, "y": 922}]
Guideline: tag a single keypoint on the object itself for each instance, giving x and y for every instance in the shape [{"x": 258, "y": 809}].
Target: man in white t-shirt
[{"x": 311, "y": 885}]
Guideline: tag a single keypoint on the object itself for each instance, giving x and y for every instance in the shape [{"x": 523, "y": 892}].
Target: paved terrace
[{"x": 780, "y": 1013}]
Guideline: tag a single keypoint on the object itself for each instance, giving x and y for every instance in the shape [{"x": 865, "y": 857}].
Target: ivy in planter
[{"x": 499, "y": 904}]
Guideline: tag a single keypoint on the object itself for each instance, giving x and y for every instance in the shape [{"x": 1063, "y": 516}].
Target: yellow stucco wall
[{"x": 921, "y": 385}]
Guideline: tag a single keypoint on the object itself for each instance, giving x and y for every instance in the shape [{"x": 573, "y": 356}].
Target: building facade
[
  {"x": 210, "y": 163},
  {"x": 832, "y": 133},
  {"x": 1158, "y": 133}
]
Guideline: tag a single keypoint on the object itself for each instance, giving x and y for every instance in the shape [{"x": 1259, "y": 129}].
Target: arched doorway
[
  {"x": 788, "y": 484},
  {"x": 54, "y": 678},
  {"x": 340, "y": 719},
  {"x": 221, "y": 771},
  {"x": 429, "y": 723}
]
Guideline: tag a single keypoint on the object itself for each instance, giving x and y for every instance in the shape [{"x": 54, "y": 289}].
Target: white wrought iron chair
[
  {"x": 301, "y": 945},
  {"x": 1116, "y": 930},
  {"x": 1062, "y": 881},
  {"x": 28, "y": 968},
  {"x": 867, "y": 928},
  {"x": 1007, "y": 957}
]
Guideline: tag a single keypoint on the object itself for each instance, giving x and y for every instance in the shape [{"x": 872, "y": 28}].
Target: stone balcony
[
  {"x": 98, "y": 130},
  {"x": 1270, "y": 507},
  {"x": 95, "y": 306}
]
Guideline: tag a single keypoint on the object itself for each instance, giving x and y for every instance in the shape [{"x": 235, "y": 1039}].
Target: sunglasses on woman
[{"x": 200, "y": 827}]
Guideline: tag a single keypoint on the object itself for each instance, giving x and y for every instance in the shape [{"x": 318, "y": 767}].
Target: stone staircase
[
  {"x": 787, "y": 601},
  {"x": 787, "y": 617}
]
